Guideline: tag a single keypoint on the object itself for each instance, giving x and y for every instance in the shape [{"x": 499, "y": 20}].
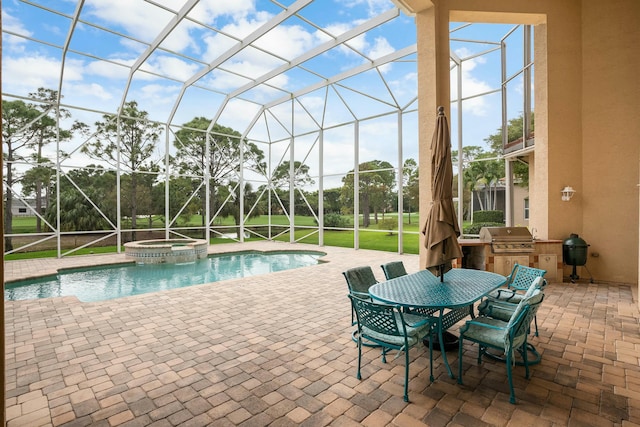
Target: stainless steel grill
[{"x": 508, "y": 239}]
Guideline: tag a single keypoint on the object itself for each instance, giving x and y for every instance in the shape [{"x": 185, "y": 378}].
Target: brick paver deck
[{"x": 276, "y": 350}]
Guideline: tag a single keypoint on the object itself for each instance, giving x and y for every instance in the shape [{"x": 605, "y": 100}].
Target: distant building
[
  {"x": 482, "y": 200},
  {"x": 19, "y": 208}
]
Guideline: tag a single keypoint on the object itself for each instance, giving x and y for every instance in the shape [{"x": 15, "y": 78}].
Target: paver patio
[{"x": 276, "y": 350}]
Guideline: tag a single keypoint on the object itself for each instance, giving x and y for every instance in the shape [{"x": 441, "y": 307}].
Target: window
[{"x": 526, "y": 208}]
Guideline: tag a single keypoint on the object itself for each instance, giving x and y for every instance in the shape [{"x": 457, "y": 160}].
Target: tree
[
  {"x": 81, "y": 210},
  {"x": 484, "y": 173},
  {"x": 469, "y": 154},
  {"x": 47, "y": 131},
  {"x": 281, "y": 175},
  {"x": 222, "y": 163},
  {"x": 134, "y": 137},
  {"x": 143, "y": 180},
  {"x": 280, "y": 179},
  {"x": 515, "y": 131},
  {"x": 332, "y": 203},
  {"x": 16, "y": 136},
  {"x": 180, "y": 202},
  {"x": 410, "y": 185},
  {"x": 376, "y": 179},
  {"x": 39, "y": 180},
  {"x": 232, "y": 207},
  {"x": 27, "y": 128}
]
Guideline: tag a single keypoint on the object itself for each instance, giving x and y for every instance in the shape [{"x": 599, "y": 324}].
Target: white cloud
[
  {"x": 209, "y": 10},
  {"x": 140, "y": 19},
  {"x": 27, "y": 73},
  {"x": 216, "y": 45},
  {"x": 94, "y": 89},
  {"x": 373, "y": 7},
  {"x": 471, "y": 85},
  {"x": 109, "y": 70},
  {"x": 238, "y": 115},
  {"x": 223, "y": 81},
  {"x": 380, "y": 48},
  {"x": 15, "y": 25},
  {"x": 170, "y": 67},
  {"x": 287, "y": 41},
  {"x": 405, "y": 87}
]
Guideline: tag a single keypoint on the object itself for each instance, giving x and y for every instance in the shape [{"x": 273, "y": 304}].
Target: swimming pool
[{"x": 116, "y": 281}]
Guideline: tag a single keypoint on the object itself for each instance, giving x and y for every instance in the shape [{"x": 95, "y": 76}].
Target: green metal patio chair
[
  {"x": 507, "y": 336},
  {"x": 503, "y": 309},
  {"x": 391, "y": 329},
  {"x": 393, "y": 269},
  {"x": 517, "y": 283},
  {"x": 359, "y": 280}
]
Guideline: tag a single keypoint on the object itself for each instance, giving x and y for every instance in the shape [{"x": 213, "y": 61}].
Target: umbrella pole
[{"x": 444, "y": 252}]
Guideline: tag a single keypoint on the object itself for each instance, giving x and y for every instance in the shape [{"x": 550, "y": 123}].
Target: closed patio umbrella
[{"x": 441, "y": 229}]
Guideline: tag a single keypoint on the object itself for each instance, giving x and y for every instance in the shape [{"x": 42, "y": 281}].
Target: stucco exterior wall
[
  {"x": 611, "y": 136},
  {"x": 587, "y": 102}
]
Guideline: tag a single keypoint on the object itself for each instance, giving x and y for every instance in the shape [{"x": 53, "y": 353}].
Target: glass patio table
[{"x": 452, "y": 297}]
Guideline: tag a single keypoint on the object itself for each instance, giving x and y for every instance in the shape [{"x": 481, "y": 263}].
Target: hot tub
[{"x": 161, "y": 251}]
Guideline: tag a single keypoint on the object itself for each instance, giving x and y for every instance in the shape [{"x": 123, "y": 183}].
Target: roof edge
[{"x": 412, "y": 7}]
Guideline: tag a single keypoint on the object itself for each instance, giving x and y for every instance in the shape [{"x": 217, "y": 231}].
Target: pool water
[{"x": 116, "y": 281}]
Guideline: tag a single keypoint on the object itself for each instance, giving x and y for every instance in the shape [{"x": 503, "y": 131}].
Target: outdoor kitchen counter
[{"x": 547, "y": 255}]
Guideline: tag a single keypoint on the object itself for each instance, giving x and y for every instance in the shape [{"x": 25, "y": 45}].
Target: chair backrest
[
  {"x": 380, "y": 318},
  {"x": 360, "y": 279},
  {"x": 522, "y": 276},
  {"x": 520, "y": 321},
  {"x": 393, "y": 269},
  {"x": 538, "y": 283}
]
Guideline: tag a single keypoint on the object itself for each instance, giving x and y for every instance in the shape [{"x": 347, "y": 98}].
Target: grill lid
[{"x": 505, "y": 234}]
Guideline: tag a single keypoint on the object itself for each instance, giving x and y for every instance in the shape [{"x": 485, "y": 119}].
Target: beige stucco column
[{"x": 433, "y": 91}]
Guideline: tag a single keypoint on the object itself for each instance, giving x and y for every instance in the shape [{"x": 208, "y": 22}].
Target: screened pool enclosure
[{"x": 233, "y": 120}]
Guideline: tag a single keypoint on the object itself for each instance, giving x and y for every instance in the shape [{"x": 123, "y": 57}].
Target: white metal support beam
[
  {"x": 246, "y": 41},
  {"x": 318, "y": 50},
  {"x": 398, "y": 54},
  {"x": 175, "y": 21}
]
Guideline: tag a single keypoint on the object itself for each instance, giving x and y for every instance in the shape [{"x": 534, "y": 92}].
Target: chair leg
[
  {"x": 384, "y": 355},
  {"x": 460, "y": 340},
  {"x": 525, "y": 359},
  {"x": 358, "y": 375},
  {"x": 535, "y": 322},
  {"x": 430, "y": 357},
  {"x": 512, "y": 395},
  {"x": 406, "y": 375}
]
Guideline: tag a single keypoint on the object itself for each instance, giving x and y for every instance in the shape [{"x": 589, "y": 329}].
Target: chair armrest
[
  {"x": 425, "y": 321},
  {"x": 361, "y": 295},
  {"x": 508, "y": 280},
  {"x": 484, "y": 325},
  {"x": 505, "y": 294},
  {"x": 502, "y": 304}
]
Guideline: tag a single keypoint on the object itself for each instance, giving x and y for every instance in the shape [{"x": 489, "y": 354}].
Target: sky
[{"x": 222, "y": 48}]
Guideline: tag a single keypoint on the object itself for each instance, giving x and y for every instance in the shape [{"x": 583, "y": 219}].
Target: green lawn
[{"x": 369, "y": 238}]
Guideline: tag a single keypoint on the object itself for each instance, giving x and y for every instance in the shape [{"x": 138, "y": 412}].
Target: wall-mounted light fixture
[{"x": 567, "y": 193}]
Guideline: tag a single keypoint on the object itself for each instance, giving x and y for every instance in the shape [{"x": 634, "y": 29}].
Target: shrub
[
  {"x": 388, "y": 224},
  {"x": 336, "y": 220},
  {"x": 476, "y": 226},
  {"x": 489, "y": 216}
]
